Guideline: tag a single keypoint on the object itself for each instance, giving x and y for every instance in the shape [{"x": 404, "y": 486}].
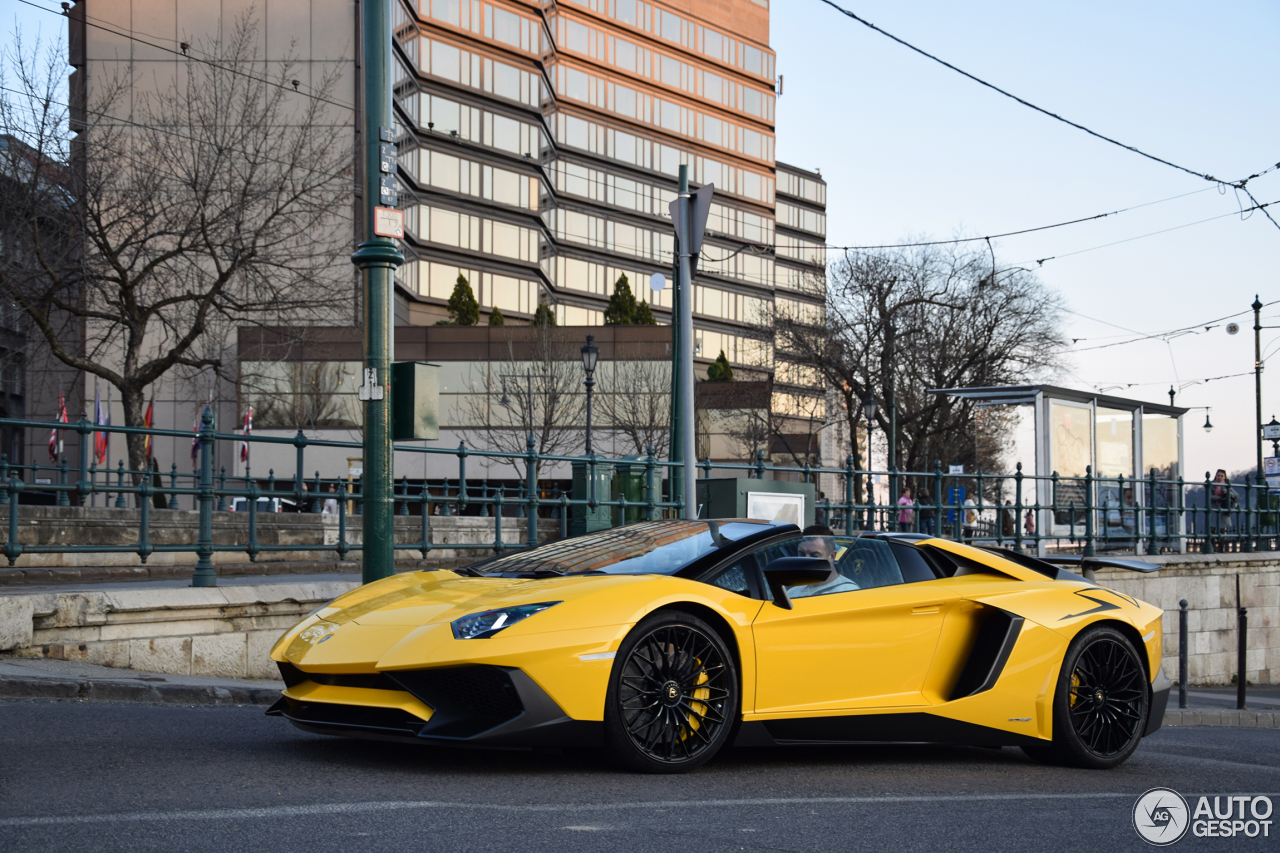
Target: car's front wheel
[
  {"x": 673, "y": 695},
  {"x": 1101, "y": 703}
]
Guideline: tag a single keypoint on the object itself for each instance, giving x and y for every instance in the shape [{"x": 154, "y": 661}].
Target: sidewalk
[{"x": 38, "y": 678}]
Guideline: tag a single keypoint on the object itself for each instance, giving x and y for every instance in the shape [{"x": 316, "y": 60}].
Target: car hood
[{"x": 362, "y": 626}]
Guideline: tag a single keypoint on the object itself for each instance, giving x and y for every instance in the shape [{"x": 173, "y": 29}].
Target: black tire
[
  {"x": 673, "y": 695},
  {"x": 1100, "y": 705}
]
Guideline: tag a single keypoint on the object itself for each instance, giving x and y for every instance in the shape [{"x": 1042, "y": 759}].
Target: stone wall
[
  {"x": 221, "y": 631},
  {"x": 1208, "y": 583},
  {"x": 291, "y": 536}
]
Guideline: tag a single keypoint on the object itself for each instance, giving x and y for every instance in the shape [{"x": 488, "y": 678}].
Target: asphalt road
[{"x": 136, "y": 777}]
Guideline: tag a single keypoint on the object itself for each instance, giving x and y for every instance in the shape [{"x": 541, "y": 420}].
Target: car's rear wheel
[
  {"x": 1100, "y": 705},
  {"x": 673, "y": 695}
]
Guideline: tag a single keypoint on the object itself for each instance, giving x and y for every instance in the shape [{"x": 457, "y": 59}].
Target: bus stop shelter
[{"x": 1121, "y": 441}]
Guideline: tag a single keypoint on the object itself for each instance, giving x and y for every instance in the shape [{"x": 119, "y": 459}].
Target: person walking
[
  {"x": 1030, "y": 524},
  {"x": 926, "y": 512},
  {"x": 1220, "y": 495},
  {"x": 906, "y": 513},
  {"x": 330, "y": 506},
  {"x": 969, "y": 523},
  {"x": 1008, "y": 521}
]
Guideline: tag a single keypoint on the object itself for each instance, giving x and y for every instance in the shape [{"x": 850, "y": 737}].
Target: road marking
[{"x": 331, "y": 809}]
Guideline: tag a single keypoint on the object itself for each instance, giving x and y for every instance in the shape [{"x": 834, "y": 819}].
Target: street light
[
  {"x": 1208, "y": 427},
  {"x": 590, "y": 353}
]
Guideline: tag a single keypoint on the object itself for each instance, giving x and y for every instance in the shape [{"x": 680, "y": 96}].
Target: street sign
[
  {"x": 386, "y": 158},
  {"x": 955, "y": 469},
  {"x": 1271, "y": 431},
  {"x": 388, "y": 222},
  {"x": 388, "y": 190},
  {"x": 700, "y": 209},
  {"x": 1271, "y": 467},
  {"x": 657, "y": 281}
]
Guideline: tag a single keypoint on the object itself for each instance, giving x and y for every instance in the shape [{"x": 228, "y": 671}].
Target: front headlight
[{"x": 480, "y": 626}]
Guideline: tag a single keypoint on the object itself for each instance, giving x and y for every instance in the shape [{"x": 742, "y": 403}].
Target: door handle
[{"x": 922, "y": 609}]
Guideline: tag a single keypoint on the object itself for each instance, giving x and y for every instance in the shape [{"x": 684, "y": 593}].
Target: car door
[{"x": 864, "y": 647}]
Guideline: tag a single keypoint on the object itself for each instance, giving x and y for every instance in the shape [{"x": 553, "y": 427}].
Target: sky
[{"x": 912, "y": 150}]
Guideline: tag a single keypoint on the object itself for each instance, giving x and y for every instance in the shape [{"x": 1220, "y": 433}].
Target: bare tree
[
  {"x": 535, "y": 390},
  {"x": 216, "y": 198},
  {"x": 923, "y": 318},
  {"x": 635, "y": 404}
]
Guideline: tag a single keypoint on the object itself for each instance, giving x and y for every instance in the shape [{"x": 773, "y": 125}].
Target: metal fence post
[
  {"x": 84, "y": 486},
  {"x": 498, "y": 547},
  {"x": 343, "y": 547},
  {"x": 1242, "y": 647},
  {"x": 1088, "y": 512},
  {"x": 1248, "y": 517},
  {"x": 299, "y": 484},
  {"x": 531, "y": 476},
  {"x": 252, "y": 548},
  {"x": 462, "y": 477},
  {"x": 404, "y": 494},
  {"x": 1206, "y": 547},
  {"x": 13, "y": 548},
  {"x": 63, "y": 498},
  {"x": 204, "y": 574},
  {"x": 1154, "y": 546},
  {"x": 173, "y": 486},
  {"x": 484, "y": 498},
  {"x": 759, "y": 464},
  {"x": 1182, "y": 653},
  {"x": 222, "y": 490},
  {"x": 1017, "y": 510},
  {"x": 650, "y": 486},
  {"x": 145, "y": 491},
  {"x": 317, "y": 496},
  {"x": 425, "y": 499},
  {"x": 848, "y": 495},
  {"x": 4, "y": 478}
]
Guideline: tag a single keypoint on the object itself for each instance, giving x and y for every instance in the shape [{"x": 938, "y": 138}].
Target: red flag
[
  {"x": 248, "y": 428},
  {"x": 146, "y": 422},
  {"x": 101, "y": 418},
  {"x": 55, "y": 435}
]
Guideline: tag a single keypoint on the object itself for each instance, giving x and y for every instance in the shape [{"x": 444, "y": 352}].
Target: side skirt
[{"x": 913, "y": 727}]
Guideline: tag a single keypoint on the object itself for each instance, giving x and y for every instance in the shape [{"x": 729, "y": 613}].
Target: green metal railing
[{"x": 1083, "y": 514}]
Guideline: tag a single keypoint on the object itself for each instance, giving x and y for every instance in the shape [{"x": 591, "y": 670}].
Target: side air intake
[{"x": 996, "y": 637}]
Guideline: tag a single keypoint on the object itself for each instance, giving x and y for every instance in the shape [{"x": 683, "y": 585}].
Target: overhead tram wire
[
  {"x": 1167, "y": 333},
  {"x": 1202, "y": 175},
  {"x": 181, "y": 55}
]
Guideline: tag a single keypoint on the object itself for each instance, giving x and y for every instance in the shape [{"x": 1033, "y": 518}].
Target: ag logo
[{"x": 1161, "y": 816}]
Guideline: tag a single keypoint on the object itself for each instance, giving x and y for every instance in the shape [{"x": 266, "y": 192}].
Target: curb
[
  {"x": 1226, "y": 718},
  {"x": 105, "y": 690}
]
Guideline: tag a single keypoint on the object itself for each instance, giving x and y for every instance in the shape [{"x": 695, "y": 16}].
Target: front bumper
[
  {"x": 478, "y": 705},
  {"x": 1159, "y": 701}
]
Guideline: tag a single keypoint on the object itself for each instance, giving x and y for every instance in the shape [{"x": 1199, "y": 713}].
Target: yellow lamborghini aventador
[{"x": 663, "y": 641}]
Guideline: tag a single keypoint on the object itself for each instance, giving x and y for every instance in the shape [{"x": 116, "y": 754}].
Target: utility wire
[
  {"x": 1027, "y": 230},
  {"x": 1052, "y": 115},
  {"x": 183, "y": 55},
  {"x": 1262, "y": 207},
  {"x": 1169, "y": 333}
]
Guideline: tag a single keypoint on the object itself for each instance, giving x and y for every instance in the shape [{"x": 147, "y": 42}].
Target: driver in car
[{"x": 819, "y": 541}]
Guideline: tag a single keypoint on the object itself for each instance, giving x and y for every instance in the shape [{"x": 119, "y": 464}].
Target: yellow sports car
[{"x": 664, "y": 641}]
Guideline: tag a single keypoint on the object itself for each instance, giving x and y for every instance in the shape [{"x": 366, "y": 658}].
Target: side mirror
[{"x": 795, "y": 571}]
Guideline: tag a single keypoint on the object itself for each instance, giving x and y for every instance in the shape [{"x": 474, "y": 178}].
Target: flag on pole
[
  {"x": 245, "y": 430},
  {"x": 55, "y": 434},
  {"x": 146, "y": 422},
  {"x": 101, "y": 418}
]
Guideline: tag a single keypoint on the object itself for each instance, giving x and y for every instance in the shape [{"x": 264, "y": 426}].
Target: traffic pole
[
  {"x": 377, "y": 258},
  {"x": 689, "y": 453}
]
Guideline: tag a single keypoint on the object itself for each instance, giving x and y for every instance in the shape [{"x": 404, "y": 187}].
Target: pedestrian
[
  {"x": 969, "y": 523},
  {"x": 1008, "y": 521},
  {"x": 926, "y": 512},
  {"x": 1219, "y": 502},
  {"x": 1030, "y": 524},
  {"x": 331, "y": 503},
  {"x": 906, "y": 515}
]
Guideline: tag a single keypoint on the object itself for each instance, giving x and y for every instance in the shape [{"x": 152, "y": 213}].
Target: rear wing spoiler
[{"x": 1088, "y": 565}]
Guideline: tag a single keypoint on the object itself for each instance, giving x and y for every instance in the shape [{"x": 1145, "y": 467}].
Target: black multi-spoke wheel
[
  {"x": 673, "y": 695},
  {"x": 1101, "y": 704}
]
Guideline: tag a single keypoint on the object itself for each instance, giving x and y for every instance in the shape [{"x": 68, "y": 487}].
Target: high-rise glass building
[{"x": 540, "y": 145}]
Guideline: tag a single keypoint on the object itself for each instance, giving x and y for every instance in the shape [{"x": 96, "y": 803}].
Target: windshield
[{"x": 644, "y": 548}]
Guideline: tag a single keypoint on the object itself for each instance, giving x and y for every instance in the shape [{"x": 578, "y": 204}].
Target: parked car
[{"x": 264, "y": 505}]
